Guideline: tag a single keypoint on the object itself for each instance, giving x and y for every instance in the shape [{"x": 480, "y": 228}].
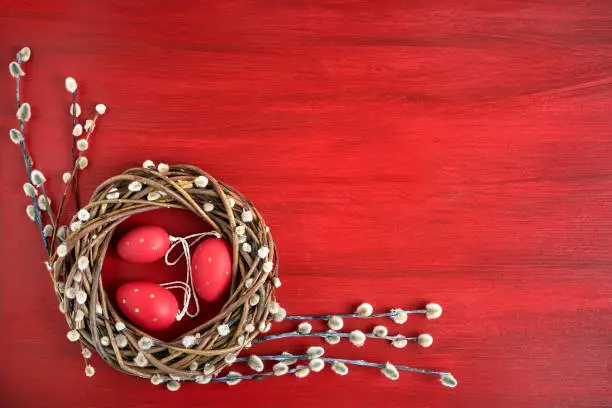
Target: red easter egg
[
  {"x": 211, "y": 266},
  {"x": 144, "y": 244},
  {"x": 148, "y": 305}
]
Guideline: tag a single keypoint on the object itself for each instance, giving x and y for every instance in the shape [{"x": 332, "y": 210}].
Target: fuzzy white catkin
[
  {"x": 89, "y": 371},
  {"x": 66, "y": 177},
  {"x": 273, "y": 307},
  {"x": 79, "y": 316},
  {"x": 148, "y": 164},
  {"x": 16, "y": 136},
  {"x": 230, "y": 358},
  {"x": 315, "y": 352},
  {"x": 240, "y": 230},
  {"x": 73, "y": 335},
  {"x": 380, "y": 331},
  {"x": 357, "y": 338},
  {"x": 71, "y": 85},
  {"x": 62, "y": 250},
  {"x": 208, "y": 369},
  {"x": 82, "y": 145},
  {"x": 157, "y": 379},
  {"x": 188, "y": 341},
  {"x": 105, "y": 341},
  {"x": 101, "y": 109},
  {"x": 448, "y": 380},
  {"x": 24, "y": 113},
  {"x": 202, "y": 379},
  {"x": 77, "y": 130},
  {"x": 173, "y": 385},
  {"x": 83, "y": 215},
  {"x": 153, "y": 196},
  {"x": 242, "y": 239},
  {"x": 302, "y": 371},
  {"x": 200, "y": 181},
  {"x": 43, "y": 203},
  {"x": 433, "y": 310},
  {"x": 255, "y": 363},
  {"x": 399, "y": 342},
  {"x": 208, "y": 207},
  {"x": 264, "y": 327},
  {"x": 246, "y": 216},
  {"x": 316, "y": 365},
  {"x": 223, "y": 329},
  {"x": 390, "y": 371},
  {"x": 140, "y": 360},
  {"x": 75, "y": 109},
  {"x": 249, "y": 328},
  {"x": 25, "y": 53},
  {"x": 81, "y": 297},
  {"x": 268, "y": 266},
  {"x": 425, "y": 340},
  {"x": 248, "y": 283},
  {"x": 82, "y": 162},
  {"x": 280, "y": 368},
  {"x": 304, "y": 328},
  {"x": 119, "y": 326},
  {"x": 135, "y": 186},
  {"x": 16, "y": 70},
  {"x": 89, "y": 125},
  {"x": 48, "y": 230},
  {"x": 254, "y": 299},
  {"x": 145, "y": 343},
  {"x": 263, "y": 252},
  {"x": 113, "y": 194},
  {"x": 86, "y": 352},
  {"x": 364, "y": 310},
  {"x": 38, "y": 178},
  {"x": 78, "y": 276},
  {"x": 70, "y": 292},
  {"x": 280, "y": 315},
  {"x": 232, "y": 202},
  {"x": 400, "y": 317},
  {"x": 332, "y": 339},
  {"x": 163, "y": 168},
  {"x": 75, "y": 226},
  {"x": 340, "y": 368},
  {"x": 335, "y": 323},
  {"x": 29, "y": 190},
  {"x": 233, "y": 377},
  {"x": 121, "y": 341},
  {"x": 277, "y": 282}
]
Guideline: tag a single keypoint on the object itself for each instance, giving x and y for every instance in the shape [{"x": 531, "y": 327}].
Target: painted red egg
[
  {"x": 148, "y": 305},
  {"x": 144, "y": 244},
  {"x": 211, "y": 265}
]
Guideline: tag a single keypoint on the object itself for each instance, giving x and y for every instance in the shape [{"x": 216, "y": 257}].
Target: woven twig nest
[{"x": 94, "y": 321}]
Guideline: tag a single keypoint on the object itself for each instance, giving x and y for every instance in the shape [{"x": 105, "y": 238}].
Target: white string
[{"x": 187, "y": 286}]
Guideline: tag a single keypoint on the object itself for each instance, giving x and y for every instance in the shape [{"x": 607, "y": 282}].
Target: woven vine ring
[{"x": 94, "y": 320}]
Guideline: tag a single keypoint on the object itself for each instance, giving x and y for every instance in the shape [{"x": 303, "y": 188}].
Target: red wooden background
[{"x": 402, "y": 151}]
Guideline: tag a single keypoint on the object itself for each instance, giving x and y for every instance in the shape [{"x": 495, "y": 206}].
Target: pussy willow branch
[
  {"x": 74, "y": 153},
  {"x": 69, "y": 184},
  {"x": 28, "y": 160},
  {"x": 345, "y": 361},
  {"x": 355, "y": 315},
  {"x": 326, "y": 334}
]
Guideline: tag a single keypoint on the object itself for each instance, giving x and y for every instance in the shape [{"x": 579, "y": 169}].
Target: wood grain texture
[{"x": 402, "y": 151}]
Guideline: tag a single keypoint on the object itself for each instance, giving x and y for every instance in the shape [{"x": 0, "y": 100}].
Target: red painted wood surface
[{"x": 402, "y": 151}]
